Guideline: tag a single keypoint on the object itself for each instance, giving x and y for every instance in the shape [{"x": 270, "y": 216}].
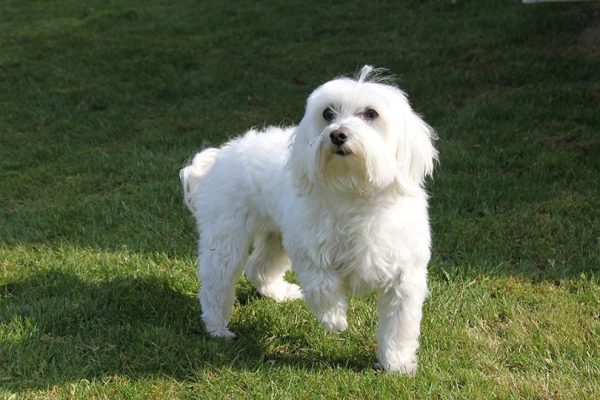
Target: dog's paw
[
  {"x": 222, "y": 333},
  {"x": 282, "y": 291},
  {"x": 409, "y": 369},
  {"x": 399, "y": 366},
  {"x": 334, "y": 322}
]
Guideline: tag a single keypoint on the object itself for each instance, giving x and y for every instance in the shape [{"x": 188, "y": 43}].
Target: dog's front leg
[
  {"x": 400, "y": 312},
  {"x": 324, "y": 295}
]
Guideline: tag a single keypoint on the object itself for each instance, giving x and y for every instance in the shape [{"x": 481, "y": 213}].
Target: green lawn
[{"x": 101, "y": 103}]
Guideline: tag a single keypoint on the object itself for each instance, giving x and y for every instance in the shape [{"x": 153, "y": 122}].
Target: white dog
[{"x": 341, "y": 195}]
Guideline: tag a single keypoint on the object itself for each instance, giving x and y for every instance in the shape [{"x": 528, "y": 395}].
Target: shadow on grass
[{"x": 59, "y": 328}]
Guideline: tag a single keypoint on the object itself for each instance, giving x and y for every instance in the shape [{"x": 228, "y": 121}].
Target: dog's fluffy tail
[{"x": 192, "y": 175}]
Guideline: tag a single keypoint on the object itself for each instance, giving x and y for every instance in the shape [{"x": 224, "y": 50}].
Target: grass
[{"x": 102, "y": 102}]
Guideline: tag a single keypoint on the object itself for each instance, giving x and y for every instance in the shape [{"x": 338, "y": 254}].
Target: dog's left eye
[{"x": 370, "y": 114}]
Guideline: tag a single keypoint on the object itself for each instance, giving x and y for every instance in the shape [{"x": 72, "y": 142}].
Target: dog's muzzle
[{"x": 338, "y": 138}]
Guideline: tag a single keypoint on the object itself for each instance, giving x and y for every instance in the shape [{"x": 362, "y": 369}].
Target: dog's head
[{"x": 361, "y": 135}]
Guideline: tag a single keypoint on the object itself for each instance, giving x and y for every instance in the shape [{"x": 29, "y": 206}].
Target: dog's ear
[
  {"x": 297, "y": 164},
  {"x": 415, "y": 152}
]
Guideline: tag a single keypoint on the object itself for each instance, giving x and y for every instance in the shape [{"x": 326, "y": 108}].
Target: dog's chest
[
  {"x": 370, "y": 245},
  {"x": 364, "y": 247}
]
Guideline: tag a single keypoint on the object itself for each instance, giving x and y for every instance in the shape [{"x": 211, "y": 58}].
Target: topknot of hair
[{"x": 368, "y": 73}]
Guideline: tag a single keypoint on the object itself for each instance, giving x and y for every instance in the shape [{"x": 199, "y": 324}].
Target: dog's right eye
[{"x": 328, "y": 114}]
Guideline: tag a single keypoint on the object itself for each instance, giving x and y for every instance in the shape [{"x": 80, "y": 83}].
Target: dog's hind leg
[
  {"x": 267, "y": 265},
  {"x": 222, "y": 257}
]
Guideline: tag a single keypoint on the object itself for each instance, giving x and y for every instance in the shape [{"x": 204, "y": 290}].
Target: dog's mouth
[{"x": 341, "y": 151}]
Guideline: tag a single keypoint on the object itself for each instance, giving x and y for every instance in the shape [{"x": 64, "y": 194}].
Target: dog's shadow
[{"x": 65, "y": 329}]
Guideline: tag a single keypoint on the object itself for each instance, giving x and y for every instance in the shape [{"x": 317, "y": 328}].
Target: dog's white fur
[{"x": 351, "y": 223}]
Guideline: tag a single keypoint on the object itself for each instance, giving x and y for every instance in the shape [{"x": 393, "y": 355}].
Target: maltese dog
[{"x": 338, "y": 198}]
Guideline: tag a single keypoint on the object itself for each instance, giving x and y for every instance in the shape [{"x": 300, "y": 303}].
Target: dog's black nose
[{"x": 338, "y": 137}]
